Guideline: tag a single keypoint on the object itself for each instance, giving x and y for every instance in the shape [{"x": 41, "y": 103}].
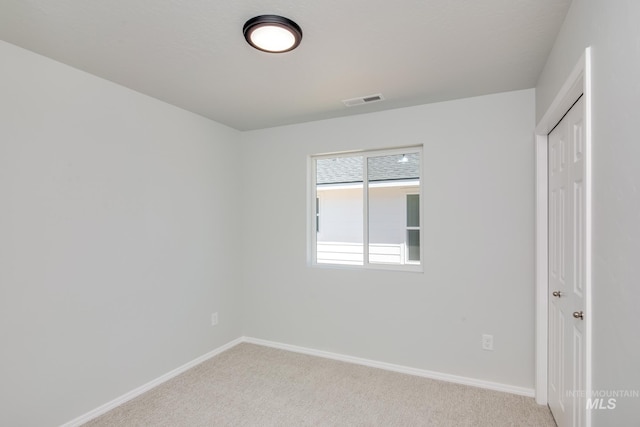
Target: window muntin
[{"x": 366, "y": 209}]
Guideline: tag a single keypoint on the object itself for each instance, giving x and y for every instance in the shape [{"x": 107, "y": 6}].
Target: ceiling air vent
[{"x": 363, "y": 100}]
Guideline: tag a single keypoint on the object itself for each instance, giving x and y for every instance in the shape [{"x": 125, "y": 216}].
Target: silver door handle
[
  {"x": 578, "y": 315},
  {"x": 557, "y": 294}
]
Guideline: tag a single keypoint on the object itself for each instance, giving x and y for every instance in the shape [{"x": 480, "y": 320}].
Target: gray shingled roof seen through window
[{"x": 344, "y": 170}]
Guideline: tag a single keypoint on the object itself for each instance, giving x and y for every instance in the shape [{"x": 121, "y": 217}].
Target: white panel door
[{"x": 567, "y": 269}]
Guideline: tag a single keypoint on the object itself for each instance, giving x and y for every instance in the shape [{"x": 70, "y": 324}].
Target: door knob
[
  {"x": 557, "y": 294},
  {"x": 578, "y": 315}
]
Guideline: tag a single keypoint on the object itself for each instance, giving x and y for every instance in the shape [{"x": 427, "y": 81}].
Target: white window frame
[{"x": 313, "y": 197}]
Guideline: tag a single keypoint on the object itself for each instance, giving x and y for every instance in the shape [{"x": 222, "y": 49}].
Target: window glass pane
[
  {"x": 390, "y": 177},
  {"x": 413, "y": 210},
  {"x": 339, "y": 192},
  {"x": 413, "y": 245}
]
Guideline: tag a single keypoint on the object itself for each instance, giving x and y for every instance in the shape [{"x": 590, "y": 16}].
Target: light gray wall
[
  {"x": 117, "y": 219},
  {"x": 478, "y": 237},
  {"x": 611, "y": 28}
]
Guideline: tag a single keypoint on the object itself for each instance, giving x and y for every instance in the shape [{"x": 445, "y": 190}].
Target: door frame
[{"x": 578, "y": 83}]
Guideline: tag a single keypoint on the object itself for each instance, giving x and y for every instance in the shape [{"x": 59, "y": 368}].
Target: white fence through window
[{"x": 352, "y": 253}]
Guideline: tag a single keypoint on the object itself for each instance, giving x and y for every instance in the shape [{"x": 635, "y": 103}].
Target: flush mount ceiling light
[{"x": 272, "y": 33}]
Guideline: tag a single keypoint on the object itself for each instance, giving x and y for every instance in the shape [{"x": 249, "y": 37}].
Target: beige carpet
[{"x": 251, "y": 385}]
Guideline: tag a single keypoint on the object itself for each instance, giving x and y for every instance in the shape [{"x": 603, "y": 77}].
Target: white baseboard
[
  {"x": 522, "y": 391},
  {"x": 148, "y": 386}
]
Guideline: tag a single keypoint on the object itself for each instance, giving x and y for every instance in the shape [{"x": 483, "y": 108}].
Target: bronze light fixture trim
[{"x": 272, "y": 33}]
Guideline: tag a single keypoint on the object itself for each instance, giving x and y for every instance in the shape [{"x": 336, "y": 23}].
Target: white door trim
[{"x": 578, "y": 82}]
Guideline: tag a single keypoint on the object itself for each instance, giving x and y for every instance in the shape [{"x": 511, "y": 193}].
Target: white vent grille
[{"x": 363, "y": 100}]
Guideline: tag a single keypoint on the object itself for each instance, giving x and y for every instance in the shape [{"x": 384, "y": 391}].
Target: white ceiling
[{"x": 191, "y": 53}]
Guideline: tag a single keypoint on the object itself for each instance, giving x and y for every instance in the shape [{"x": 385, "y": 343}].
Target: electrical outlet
[
  {"x": 214, "y": 319},
  {"x": 487, "y": 342}
]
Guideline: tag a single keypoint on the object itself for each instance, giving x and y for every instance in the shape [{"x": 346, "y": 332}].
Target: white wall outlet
[
  {"x": 214, "y": 319},
  {"x": 487, "y": 342}
]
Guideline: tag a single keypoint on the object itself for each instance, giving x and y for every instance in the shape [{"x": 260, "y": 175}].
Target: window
[
  {"x": 413, "y": 228},
  {"x": 366, "y": 209}
]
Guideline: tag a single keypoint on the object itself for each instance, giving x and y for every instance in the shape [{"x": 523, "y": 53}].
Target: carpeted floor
[{"x": 251, "y": 385}]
